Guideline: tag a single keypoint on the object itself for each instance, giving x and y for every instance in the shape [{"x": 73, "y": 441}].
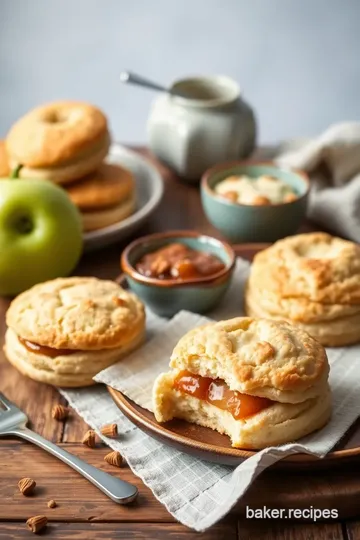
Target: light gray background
[{"x": 297, "y": 61}]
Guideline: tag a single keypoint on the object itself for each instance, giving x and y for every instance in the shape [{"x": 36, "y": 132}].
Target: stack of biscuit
[
  {"x": 64, "y": 331},
  {"x": 261, "y": 382},
  {"x": 311, "y": 280},
  {"x": 67, "y": 143}
]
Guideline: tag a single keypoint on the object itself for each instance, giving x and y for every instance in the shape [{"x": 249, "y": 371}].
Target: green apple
[{"x": 40, "y": 233}]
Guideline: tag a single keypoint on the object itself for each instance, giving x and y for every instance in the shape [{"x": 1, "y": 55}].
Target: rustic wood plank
[
  {"x": 271, "y": 530},
  {"x": 74, "y": 429},
  {"x": 336, "y": 487},
  {"x": 352, "y": 529},
  {"x": 77, "y": 498},
  {"x": 123, "y": 531},
  {"x": 81, "y": 501}
]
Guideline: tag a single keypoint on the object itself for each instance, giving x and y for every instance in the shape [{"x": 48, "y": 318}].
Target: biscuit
[
  {"x": 98, "y": 219},
  {"x": 60, "y": 141},
  {"x": 262, "y": 382},
  {"x": 264, "y": 358},
  {"x": 73, "y": 370},
  {"x": 312, "y": 280},
  {"x": 278, "y": 424},
  {"x": 77, "y": 313},
  {"x": 104, "y": 197},
  {"x": 4, "y": 161},
  {"x": 331, "y": 332},
  {"x": 106, "y": 187}
]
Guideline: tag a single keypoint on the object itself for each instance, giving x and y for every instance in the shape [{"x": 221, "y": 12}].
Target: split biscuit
[
  {"x": 65, "y": 331},
  {"x": 262, "y": 382}
]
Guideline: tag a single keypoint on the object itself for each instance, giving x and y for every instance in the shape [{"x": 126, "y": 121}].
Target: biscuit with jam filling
[
  {"x": 259, "y": 381},
  {"x": 65, "y": 331}
]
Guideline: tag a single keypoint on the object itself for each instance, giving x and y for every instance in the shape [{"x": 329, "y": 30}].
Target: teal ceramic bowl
[
  {"x": 247, "y": 223},
  {"x": 169, "y": 296}
]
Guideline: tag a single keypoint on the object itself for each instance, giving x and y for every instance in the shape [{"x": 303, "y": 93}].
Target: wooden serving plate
[{"x": 210, "y": 445}]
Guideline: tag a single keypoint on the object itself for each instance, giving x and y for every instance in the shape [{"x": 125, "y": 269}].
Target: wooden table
[{"x": 83, "y": 512}]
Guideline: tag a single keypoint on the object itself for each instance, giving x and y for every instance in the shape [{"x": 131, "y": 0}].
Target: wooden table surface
[{"x": 83, "y": 512}]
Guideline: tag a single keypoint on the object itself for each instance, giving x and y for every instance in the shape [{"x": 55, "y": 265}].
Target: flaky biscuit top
[
  {"x": 259, "y": 357},
  {"x": 77, "y": 313},
  {"x": 315, "y": 266}
]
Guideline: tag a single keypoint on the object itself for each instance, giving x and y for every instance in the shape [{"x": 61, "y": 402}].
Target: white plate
[{"x": 149, "y": 191}]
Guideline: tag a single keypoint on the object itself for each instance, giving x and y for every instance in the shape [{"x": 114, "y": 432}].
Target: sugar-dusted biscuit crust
[
  {"x": 260, "y": 357},
  {"x": 77, "y": 313},
  {"x": 278, "y": 424}
]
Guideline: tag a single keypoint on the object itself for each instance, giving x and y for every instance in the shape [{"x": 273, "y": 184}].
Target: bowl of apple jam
[{"x": 178, "y": 270}]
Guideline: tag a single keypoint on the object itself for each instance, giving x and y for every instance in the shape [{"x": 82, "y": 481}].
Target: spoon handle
[
  {"x": 131, "y": 78},
  {"x": 118, "y": 490}
]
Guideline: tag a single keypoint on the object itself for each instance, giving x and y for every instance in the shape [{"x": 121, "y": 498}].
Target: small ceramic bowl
[
  {"x": 248, "y": 223},
  {"x": 167, "y": 297}
]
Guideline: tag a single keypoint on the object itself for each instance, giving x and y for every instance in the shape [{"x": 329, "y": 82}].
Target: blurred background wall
[{"x": 297, "y": 61}]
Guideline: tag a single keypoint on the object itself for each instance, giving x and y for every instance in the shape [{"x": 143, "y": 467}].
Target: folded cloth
[
  {"x": 333, "y": 163},
  {"x": 196, "y": 492}
]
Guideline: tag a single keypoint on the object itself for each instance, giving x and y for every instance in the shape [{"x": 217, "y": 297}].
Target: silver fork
[{"x": 13, "y": 422}]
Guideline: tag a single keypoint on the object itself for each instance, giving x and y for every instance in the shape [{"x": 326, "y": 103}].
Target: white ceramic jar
[{"x": 210, "y": 124}]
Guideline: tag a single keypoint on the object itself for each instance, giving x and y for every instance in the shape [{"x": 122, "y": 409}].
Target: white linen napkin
[
  {"x": 333, "y": 163},
  {"x": 195, "y": 492}
]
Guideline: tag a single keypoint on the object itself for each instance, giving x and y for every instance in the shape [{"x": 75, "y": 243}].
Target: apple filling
[
  {"x": 217, "y": 393},
  {"x": 42, "y": 349}
]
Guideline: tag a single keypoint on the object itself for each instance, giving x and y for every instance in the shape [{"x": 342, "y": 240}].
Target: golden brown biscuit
[
  {"x": 77, "y": 313},
  {"x": 60, "y": 141},
  {"x": 106, "y": 187},
  {"x": 4, "y": 161},
  {"x": 330, "y": 331},
  {"x": 312, "y": 280},
  {"x": 261, "y": 382},
  {"x": 265, "y": 358},
  {"x": 64, "y": 331},
  {"x": 105, "y": 197},
  {"x": 54, "y": 133},
  {"x": 98, "y": 219}
]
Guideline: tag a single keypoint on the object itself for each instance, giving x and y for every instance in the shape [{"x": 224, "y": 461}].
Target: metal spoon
[{"x": 131, "y": 78}]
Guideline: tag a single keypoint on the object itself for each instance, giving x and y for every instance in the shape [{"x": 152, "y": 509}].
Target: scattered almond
[
  {"x": 114, "y": 458},
  {"x": 52, "y": 503},
  {"x": 26, "y": 486},
  {"x": 37, "y": 523},
  {"x": 89, "y": 438},
  {"x": 110, "y": 430},
  {"x": 59, "y": 412}
]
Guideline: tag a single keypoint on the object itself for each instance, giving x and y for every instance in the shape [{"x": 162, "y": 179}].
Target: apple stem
[{"x": 15, "y": 172}]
